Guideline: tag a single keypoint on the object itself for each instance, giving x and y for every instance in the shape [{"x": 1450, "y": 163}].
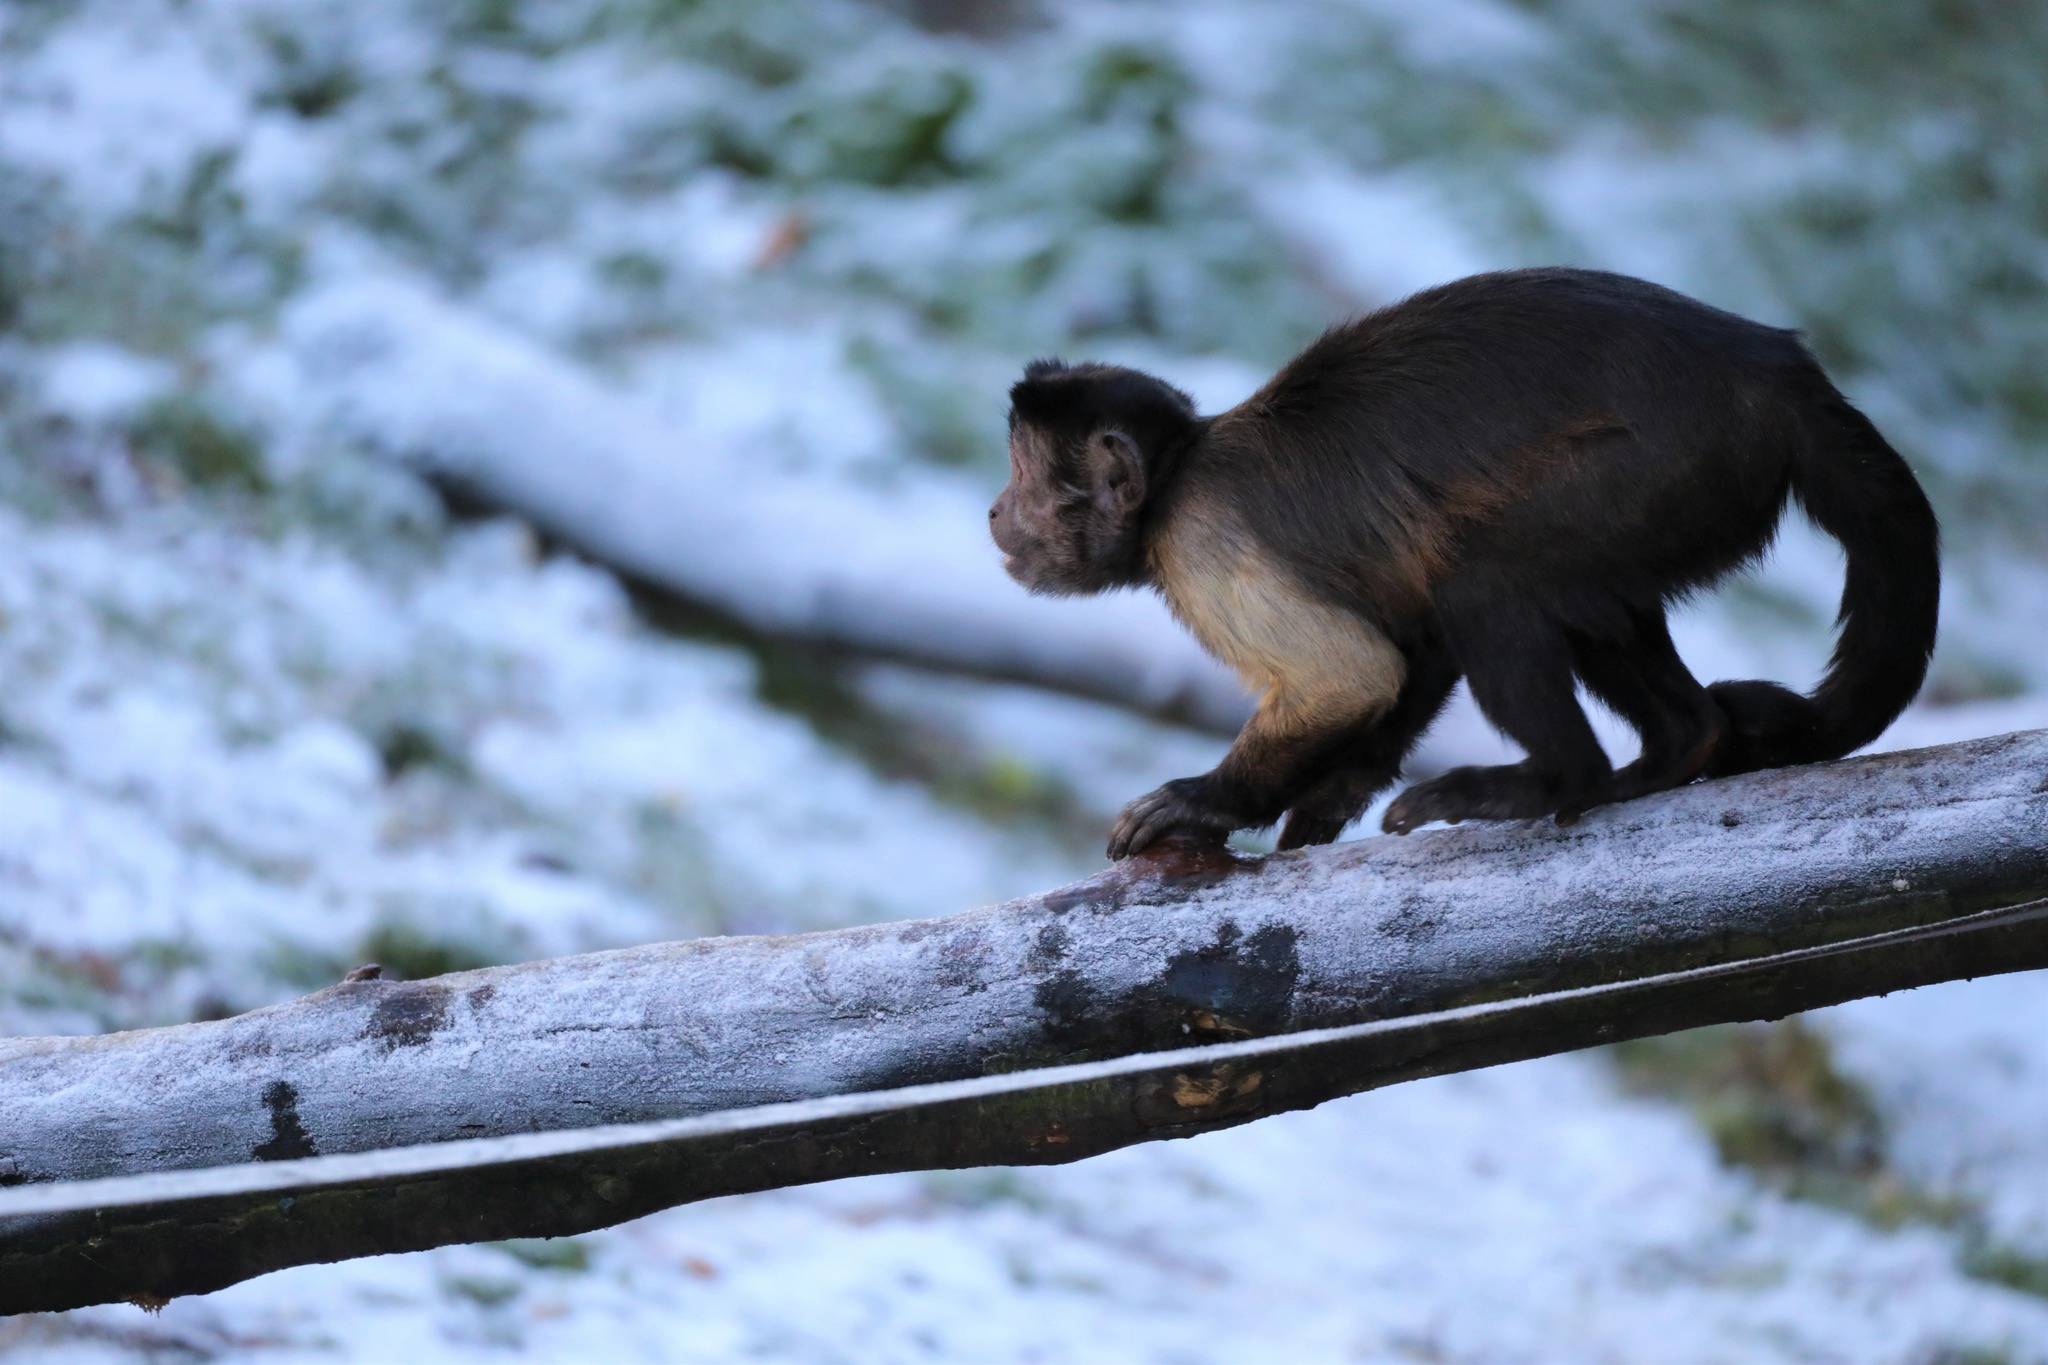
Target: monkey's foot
[
  {"x": 1511, "y": 792},
  {"x": 1183, "y": 806},
  {"x": 1656, "y": 772},
  {"x": 1653, "y": 772}
]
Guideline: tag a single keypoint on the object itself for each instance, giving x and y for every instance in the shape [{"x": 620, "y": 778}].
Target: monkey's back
[{"x": 1585, "y": 435}]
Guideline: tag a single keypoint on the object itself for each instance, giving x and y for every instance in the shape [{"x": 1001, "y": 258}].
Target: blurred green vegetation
[
  {"x": 1069, "y": 191},
  {"x": 1776, "y": 1103},
  {"x": 203, "y": 445}
]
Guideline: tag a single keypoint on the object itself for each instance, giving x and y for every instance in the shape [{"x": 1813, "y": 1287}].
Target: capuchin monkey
[{"x": 1506, "y": 479}]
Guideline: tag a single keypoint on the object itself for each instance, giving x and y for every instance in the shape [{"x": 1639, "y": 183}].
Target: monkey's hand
[{"x": 1186, "y": 805}]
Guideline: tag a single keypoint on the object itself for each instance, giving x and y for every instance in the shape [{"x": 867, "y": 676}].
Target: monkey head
[{"x": 1089, "y": 447}]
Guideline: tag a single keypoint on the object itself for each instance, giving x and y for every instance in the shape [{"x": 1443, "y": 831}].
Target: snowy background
[{"x": 732, "y": 290}]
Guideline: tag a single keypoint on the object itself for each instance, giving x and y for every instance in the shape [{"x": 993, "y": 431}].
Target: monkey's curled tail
[{"x": 1858, "y": 490}]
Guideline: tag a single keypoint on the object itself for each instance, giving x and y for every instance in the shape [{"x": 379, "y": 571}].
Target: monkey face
[
  {"x": 1085, "y": 442},
  {"x": 1067, "y": 521}
]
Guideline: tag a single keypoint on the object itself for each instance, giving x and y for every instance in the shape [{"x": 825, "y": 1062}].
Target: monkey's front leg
[{"x": 1280, "y": 749}]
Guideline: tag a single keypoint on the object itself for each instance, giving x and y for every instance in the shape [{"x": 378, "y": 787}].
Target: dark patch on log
[
  {"x": 1248, "y": 983},
  {"x": 1066, "y": 998},
  {"x": 964, "y": 960},
  {"x": 288, "y": 1136},
  {"x": 255, "y": 1043},
  {"x": 1412, "y": 921},
  {"x": 479, "y": 996},
  {"x": 409, "y": 1014},
  {"x": 1049, "y": 948},
  {"x": 1240, "y": 985}
]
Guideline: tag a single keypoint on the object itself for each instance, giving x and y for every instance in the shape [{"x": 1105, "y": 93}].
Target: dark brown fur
[{"x": 1505, "y": 479}]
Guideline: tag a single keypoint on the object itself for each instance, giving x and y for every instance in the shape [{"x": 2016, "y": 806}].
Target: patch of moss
[
  {"x": 980, "y": 1189},
  {"x": 1127, "y": 79},
  {"x": 547, "y": 1253},
  {"x": 406, "y": 745},
  {"x": 1140, "y": 89},
  {"x": 767, "y": 46},
  {"x": 409, "y": 952},
  {"x": 190, "y": 435},
  {"x": 207, "y": 202},
  {"x": 166, "y": 955},
  {"x": 2006, "y": 1265},
  {"x": 359, "y": 502},
  {"x": 62, "y": 983},
  {"x": 310, "y": 81},
  {"x": 948, "y": 423},
  {"x": 1969, "y": 1355},
  {"x": 1774, "y": 1103},
  {"x": 636, "y": 272},
  {"x": 303, "y": 968},
  {"x": 889, "y": 133},
  {"x": 488, "y": 1291}
]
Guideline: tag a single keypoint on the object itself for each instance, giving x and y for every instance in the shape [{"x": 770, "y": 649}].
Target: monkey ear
[{"x": 1118, "y": 472}]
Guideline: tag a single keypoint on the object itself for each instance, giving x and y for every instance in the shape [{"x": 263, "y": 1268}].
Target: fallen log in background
[
  {"x": 798, "y": 556},
  {"x": 1181, "y": 948}
]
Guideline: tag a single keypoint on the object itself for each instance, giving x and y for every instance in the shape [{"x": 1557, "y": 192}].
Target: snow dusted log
[
  {"x": 784, "y": 555},
  {"x": 1748, "y": 898}
]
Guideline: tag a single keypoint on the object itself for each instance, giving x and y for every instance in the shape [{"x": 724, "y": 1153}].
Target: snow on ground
[{"x": 740, "y": 287}]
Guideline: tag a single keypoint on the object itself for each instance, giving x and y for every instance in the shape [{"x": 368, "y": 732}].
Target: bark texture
[{"x": 1718, "y": 901}]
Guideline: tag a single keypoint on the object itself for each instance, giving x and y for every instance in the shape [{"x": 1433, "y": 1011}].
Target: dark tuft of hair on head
[{"x": 1055, "y": 394}]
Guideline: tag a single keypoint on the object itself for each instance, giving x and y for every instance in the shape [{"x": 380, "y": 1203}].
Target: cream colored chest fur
[{"x": 1299, "y": 655}]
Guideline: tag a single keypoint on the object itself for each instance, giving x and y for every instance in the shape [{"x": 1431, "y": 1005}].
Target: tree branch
[{"x": 1749, "y": 898}]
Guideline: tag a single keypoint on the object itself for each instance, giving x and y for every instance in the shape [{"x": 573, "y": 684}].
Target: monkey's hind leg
[
  {"x": 1648, "y": 685},
  {"x": 1519, "y": 665},
  {"x": 1371, "y": 759}
]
